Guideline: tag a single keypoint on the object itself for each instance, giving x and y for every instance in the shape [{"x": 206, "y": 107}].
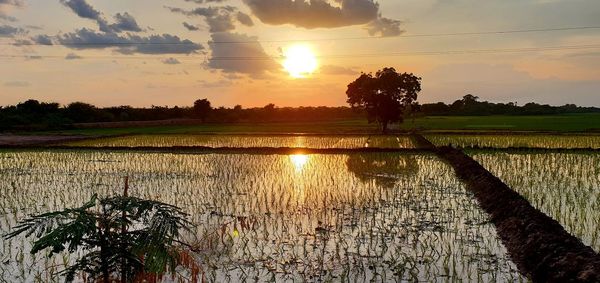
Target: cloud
[
  {"x": 17, "y": 3},
  {"x": 384, "y": 27},
  {"x": 248, "y": 57},
  {"x": 190, "y": 27},
  {"x": 17, "y": 84},
  {"x": 125, "y": 22},
  {"x": 244, "y": 19},
  {"x": 129, "y": 44},
  {"x": 82, "y": 9},
  {"x": 314, "y": 13},
  {"x": 171, "y": 61},
  {"x": 218, "y": 19},
  {"x": 205, "y": 1},
  {"x": 72, "y": 56},
  {"x": 336, "y": 70},
  {"x": 42, "y": 39},
  {"x": 4, "y": 3},
  {"x": 7, "y": 18},
  {"x": 22, "y": 42},
  {"x": 10, "y": 31}
]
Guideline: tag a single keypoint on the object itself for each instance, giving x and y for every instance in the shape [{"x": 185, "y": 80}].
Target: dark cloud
[
  {"x": 82, "y": 9},
  {"x": 42, "y": 39},
  {"x": 18, "y": 3},
  {"x": 72, "y": 56},
  {"x": 125, "y": 22},
  {"x": 190, "y": 27},
  {"x": 10, "y": 31},
  {"x": 218, "y": 19},
  {"x": 248, "y": 57},
  {"x": 314, "y": 13},
  {"x": 129, "y": 44},
  {"x": 244, "y": 19},
  {"x": 384, "y": 27},
  {"x": 171, "y": 61}
]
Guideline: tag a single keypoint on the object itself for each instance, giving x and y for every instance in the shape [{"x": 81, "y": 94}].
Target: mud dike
[{"x": 540, "y": 247}]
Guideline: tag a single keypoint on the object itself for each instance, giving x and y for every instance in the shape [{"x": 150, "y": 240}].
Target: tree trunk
[
  {"x": 384, "y": 125},
  {"x": 123, "y": 232},
  {"x": 103, "y": 252}
]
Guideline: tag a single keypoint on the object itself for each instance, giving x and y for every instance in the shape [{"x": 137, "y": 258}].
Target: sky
[{"x": 172, "y": 52}]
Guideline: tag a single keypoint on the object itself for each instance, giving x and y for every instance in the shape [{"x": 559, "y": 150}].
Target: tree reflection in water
[{"x": 384, "y": 169}]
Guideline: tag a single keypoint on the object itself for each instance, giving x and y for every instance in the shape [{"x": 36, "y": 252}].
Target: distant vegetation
[
  {"x": 35, "y": 115},
  {"x": 470, "y": 105}
]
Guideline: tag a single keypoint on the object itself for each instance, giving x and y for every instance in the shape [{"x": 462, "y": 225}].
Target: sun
[{"x": 300, "y": 61}]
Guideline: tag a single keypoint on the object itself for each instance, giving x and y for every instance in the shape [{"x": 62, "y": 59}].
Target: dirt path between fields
[
  {"x": 540, "y": 247},
  {"x": 27, "y": 140}
]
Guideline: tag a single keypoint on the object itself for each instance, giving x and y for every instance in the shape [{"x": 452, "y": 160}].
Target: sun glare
[
  {"x": 299, "y": 160},
  {"x": 300, "y": 61}
]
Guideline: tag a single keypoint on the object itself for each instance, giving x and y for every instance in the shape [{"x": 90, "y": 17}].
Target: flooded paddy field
[
  {"x": 249, "y": 141},
  {"x": 565, "y": 186},
  {"x": 317, "y": 218},
  {"x": 517, "y": 140}
]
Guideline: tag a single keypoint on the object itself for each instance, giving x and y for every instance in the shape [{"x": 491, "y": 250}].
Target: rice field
[
  {"x": 248, "y": 141},
  {"x": 565, "y": 186},
  {"x": 378, "y": 217},
  {"x": 516, "y": 140}
]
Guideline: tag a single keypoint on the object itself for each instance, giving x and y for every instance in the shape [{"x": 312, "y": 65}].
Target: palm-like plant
[{"x": 121, "y": 236}]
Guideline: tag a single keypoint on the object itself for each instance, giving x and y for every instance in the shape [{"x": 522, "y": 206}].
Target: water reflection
[
  {"x": 382, "y": 168},
  {"x": 299, "y": 161}
]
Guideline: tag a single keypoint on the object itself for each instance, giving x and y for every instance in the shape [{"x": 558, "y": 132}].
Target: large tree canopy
[
  {"x": 384, "y": 96},
  {"x": 202, "y": 108}
]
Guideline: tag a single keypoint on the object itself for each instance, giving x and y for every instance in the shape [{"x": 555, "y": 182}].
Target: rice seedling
[
  {"x": 565, "y": 186},
  {"x": 247, "y": 141},
  {"x": 356, "y": 217},
  {"x": 529, "y": 140}
]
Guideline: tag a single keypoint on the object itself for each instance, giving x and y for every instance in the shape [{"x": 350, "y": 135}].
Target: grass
[
  {"x": 552, "y": 123},
  {"x": 549, "y": 123}
]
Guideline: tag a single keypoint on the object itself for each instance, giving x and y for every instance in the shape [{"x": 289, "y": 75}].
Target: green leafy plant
[{"x": 122, "y": 237}]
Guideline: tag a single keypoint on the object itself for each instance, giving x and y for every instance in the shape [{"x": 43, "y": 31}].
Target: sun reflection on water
[{"x": 299, "y": 161}]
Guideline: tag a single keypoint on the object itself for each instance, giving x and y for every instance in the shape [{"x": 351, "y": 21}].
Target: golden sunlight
[
  {"x": 299, "y": 160},
  {"x": 300, "y": 61}
]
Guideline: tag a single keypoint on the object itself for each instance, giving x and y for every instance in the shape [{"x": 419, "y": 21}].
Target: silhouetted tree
[
  {"x": 469, "y": 98},
  {"x": 202, "y": 109},
  {"x": 80, "y": 112},
  {"x": 384, "y": 96}
]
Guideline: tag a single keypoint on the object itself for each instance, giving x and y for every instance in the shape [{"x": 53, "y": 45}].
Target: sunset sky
[{"x": 171, "y": 52}]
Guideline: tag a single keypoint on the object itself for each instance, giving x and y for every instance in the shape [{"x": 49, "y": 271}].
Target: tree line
[
  {"x": 36, "y": 115},
  {"x": 470, "y": 105}
]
